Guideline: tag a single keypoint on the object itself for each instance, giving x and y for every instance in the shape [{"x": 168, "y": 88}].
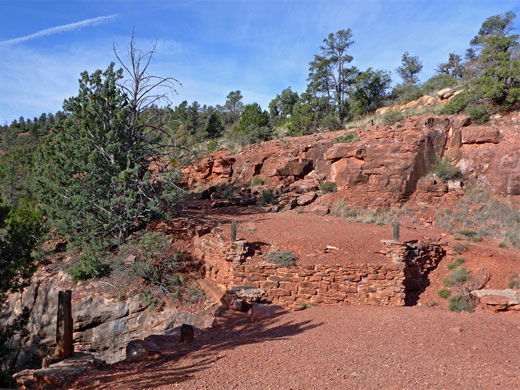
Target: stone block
[
  {"x": 279, "y": 292},
  {"x": 308, "y": 291}
]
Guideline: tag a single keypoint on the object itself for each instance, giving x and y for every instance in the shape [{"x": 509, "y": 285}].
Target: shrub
[
  {"x": 502, "y": 244},
  {"x": 459, "y": 303},
  {"x": 458, "y": 261},
  {"x": 257, "y": 181},
  {"x": 457, "y": 104},
  {"x": 459, "y": 248},
  {"x": 406, "y": 92},
  {"x": 266, "y": 197},
  {"x": 89, "y": 266},
  {"x": 392, "y": 116},
  {"x": 162, "y": 270},
  {"x": 459, "y": 275},
  {"x": 514, "y": 282},
  {"x": 478, "y": 113},
  {"x": 438, "y": 82},
  {"x": 444, "y": 293},
  {"x": 467, "y": 232},
  {"x": 351, "y": 136},
  {"x": 328, "y": 187},
  {"x": 282, "y": 258},
  {"x": 445, "y": 171}
]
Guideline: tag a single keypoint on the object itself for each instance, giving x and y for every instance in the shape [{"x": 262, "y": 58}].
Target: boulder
[
  {"x": 432, "y": 184},
  {"x": 139, "y": 350},
  {"x": 498, "y": 300},
  {"x": 60, "y": 375},
  {"x": 345, "y": 150},
  {"x": 320, "y": 210},
  {"x": 304, "y": 185},
  {"x": 260, "y": 312},
  {"x": 480, "y": 135},
  {"x": 240, "y": 298},
  {"x": 348, "y": 172},
  {"x": 297, "y": 167},
  {"x": 461, "y": 121},
  {"x": 445, "y": 93},
  {"x": 307, "y": 198}
]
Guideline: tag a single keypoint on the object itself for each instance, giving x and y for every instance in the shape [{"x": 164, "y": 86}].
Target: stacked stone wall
[
  {"x": 293, "y": 286},
  {"x": 380, "y": 285}
]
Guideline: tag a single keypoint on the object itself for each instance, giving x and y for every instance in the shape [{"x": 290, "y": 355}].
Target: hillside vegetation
[{"x": 96, "y": 173}]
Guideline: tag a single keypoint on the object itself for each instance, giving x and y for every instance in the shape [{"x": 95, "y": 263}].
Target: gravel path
[{"x": 347, "y": 347}]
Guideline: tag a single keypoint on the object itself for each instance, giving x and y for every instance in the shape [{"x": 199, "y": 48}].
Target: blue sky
[{"x": 212, "y": 47}]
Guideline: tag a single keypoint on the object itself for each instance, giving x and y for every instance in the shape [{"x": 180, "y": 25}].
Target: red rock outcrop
[{"x": 385, "y": 162}]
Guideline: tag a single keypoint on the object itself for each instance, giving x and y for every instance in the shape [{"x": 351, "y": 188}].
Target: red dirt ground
[
  {"x": 338, "y": 348},
  {"x": 308, "y": 235}
]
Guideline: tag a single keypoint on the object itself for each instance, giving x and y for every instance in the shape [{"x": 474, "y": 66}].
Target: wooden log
[{"x": 65, "y": 347}]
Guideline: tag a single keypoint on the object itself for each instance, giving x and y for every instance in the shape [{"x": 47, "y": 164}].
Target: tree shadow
[{"x": 181, "y": 362}]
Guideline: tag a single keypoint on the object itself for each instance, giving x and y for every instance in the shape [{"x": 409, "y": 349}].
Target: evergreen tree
[
  {"x": 93, "y": 176},
  {"x": 369, "y": 90},
  {"x": 214, "y": 128},
  {"x": 410, "y": 67}
]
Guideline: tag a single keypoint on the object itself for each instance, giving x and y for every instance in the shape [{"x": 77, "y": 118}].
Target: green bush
[
  {"x": 266, "y": 197},
  {"x": 351, "y": 136},
  {"x": 438, "y": 82},
  {"x": 514, "y": 282},
  {"x": 406, "y": 92},
  {"x": 328, "y": 187},
  {"x": 89, "y": 267},
  {"x": 445, "y": 171},
  {"x": 458, "y": 276},
  {"x": 257, "y": 181},
  {"x": 458, "y": 261},
  {"x": 478, "y": 113},
  {"x": 392, "y": 116},
  {"x": 282, "y": 258},
  {"x": 457, "y": 104},
  {"x": 459, "y": 248},
  {"x": 444, "y": 293},
  {"x": 459, "y": 303},
  {"x": 163, "y": 271}
]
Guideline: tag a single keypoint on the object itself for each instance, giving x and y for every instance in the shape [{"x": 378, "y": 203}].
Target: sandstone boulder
[
  {"x": 498, "y": 300},
  {"x": 139, "y": 350},
  {"x": 304, "y": 185},
  {"x": 59, "y": 375},
  {"x": 480, "y": 135},
  {"x": 445, "y": 93},
  {"x": 260, "y": 312},
  {"x": 345, "y": 150},
  {"x": 307, "y": 198}
]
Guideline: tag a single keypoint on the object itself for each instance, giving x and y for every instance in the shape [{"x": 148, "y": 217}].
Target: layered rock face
[
  {"x": 385, "y": 162},
  {"x": 103, "y": 324}
]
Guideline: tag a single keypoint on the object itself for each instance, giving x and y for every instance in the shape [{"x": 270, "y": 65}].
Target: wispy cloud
[{"x": 59, "y": 29}]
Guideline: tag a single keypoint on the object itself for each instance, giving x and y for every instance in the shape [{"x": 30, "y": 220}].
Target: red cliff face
[{"x": 386, "y": 161}]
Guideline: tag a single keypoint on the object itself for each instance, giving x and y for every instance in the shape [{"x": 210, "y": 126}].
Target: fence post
[
  {"x": 233, "y": 231},
  {"x": 396, "y": 232},
  {"x": 65, "y": 347}
]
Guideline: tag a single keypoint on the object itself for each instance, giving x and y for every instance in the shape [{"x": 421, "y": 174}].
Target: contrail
[{"x": 59, "y": 29}]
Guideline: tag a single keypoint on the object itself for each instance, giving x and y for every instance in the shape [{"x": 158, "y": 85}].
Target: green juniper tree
[{"x": 94, "y": 178}]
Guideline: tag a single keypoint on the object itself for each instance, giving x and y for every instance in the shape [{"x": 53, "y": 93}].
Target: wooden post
[
  {"x": 233, "y": 231},
  {"x": 396, "y": 232},
  {"x": 65, "y": 347}
]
